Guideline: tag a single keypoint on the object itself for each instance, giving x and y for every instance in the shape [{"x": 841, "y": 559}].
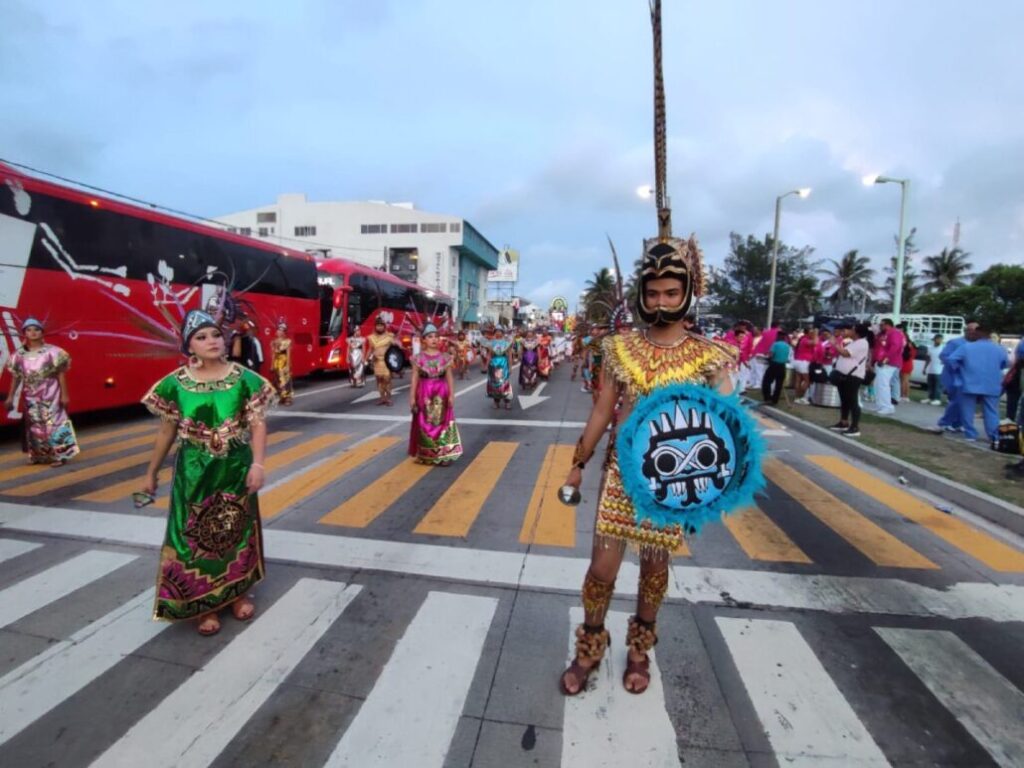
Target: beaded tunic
[{"x": 639, "y": 367}]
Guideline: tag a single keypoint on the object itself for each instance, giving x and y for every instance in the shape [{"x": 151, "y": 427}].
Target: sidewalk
[{"x": 908, "y": 442}]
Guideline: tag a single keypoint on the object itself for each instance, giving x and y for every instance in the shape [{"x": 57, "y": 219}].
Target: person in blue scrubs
[
  {"x": 981, "y": 363},
  {"x": 952, "y": 381}
]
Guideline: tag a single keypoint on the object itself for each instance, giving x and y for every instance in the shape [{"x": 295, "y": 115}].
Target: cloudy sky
[{"x": 532, "y": 118}]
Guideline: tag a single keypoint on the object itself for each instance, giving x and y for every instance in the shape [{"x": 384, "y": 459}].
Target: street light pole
[
  {"x": 901, "y": 244},
  {"x": 804, "y": 192}
]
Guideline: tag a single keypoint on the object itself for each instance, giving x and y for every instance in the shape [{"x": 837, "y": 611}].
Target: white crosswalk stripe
[
  {"x": 410, "y": 716},
  {"x": 11, "y": 548},
  {"x": 607, "y": 725},
  {"x": 419, "y": 694},
  {"x": 984, "y": 702},
  {"x": 805, "y": 716},
  {"x": 207, "y": 710},
  {"x": 44, "y": 681},
  {"x": 38, "y": 591}
]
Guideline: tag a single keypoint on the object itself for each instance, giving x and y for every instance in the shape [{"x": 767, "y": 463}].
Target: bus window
[{"x": 356, "y": 315}]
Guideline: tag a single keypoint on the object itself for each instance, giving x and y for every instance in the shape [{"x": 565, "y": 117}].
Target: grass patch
[{"x": 952, "y": 457}]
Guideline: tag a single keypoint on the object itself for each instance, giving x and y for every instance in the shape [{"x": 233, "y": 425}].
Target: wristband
[
  {"x": 254, "y": 464},
  {"x": 579, "y": 456}
]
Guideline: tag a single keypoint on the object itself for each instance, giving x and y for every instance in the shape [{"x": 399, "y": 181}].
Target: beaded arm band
[{"x": 580, "y": 457}]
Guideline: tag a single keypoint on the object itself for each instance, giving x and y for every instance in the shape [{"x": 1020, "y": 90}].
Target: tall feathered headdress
[{"x": 666, "y": 256}]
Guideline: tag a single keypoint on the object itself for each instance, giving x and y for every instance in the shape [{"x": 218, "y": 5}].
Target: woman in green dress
[{"x": 213, "y": 550}]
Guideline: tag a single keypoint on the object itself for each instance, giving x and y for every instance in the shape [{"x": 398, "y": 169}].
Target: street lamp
[
  {"x": 901, "y": 243},
  {"x": 645, "y": 192},
  {"x": 801, "y": 193}
]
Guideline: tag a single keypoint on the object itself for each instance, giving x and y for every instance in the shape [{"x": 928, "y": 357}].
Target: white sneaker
[
  {"x": 885, "y": 411},
  {"x": 802, "y": 401},
  {"x": 936, "y": 402}
]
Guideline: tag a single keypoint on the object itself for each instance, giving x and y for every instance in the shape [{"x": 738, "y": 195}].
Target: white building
[{"x": 445, "y": 253}]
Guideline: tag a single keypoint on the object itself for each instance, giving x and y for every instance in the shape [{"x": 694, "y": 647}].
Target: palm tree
[
  {"x": 802, "y": 298},
  {"x": 946, "y": 269},
  {"x": 850, "y": 278},
  {"x": 599, "y": 295}
]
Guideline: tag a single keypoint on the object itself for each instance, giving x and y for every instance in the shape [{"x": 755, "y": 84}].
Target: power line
[{"x": 177, "y": 212}]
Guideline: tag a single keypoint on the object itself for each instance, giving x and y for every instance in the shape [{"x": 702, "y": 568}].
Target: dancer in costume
[
  {"x": 357, "y": 358},
  {"x": 213, "y": 551},
  {"x": 380, "y": 342},
  {"x": 577, "y": 349},
  {"x": 544, "y": 355},
  {"x": 434, "y": 437},
  {"x": 528, "y": 364},
  {"x": 499, "y": 370},
  {"x": 39, "y": 370},
  {"x": 667, "y": 468},
  {"x": 462, "y": 349},
  {"x": 594, "y": 359},
  {"x": 281, "y": 364}
]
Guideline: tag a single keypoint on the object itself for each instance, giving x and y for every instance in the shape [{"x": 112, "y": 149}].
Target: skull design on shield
[{"x": 685, "y": 457}]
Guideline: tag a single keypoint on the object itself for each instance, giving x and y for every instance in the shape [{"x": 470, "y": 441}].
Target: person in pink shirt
[
  {"x": 828, "y": 350},
  {"x": 805, "y": 354},
  {"x": 888, "y": 361},
  {"x": 760, "y": 353}
]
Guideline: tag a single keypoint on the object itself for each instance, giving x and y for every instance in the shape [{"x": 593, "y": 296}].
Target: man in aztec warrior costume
[{"x": 682, "y": 451}]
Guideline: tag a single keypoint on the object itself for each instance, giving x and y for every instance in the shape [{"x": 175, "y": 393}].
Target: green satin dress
[{"x": 213, "y": 549}]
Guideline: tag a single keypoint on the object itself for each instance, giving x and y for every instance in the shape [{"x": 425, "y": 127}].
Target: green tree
[
  {"x": 599, "y": 296},
  {"x": 945, "y": 270},
  {"x": 1006, "y": 312},
  {"x": 739, "y": 290},
  {"x": 973, "y": 302},
  {"x": 802, "y": 298},
  {"x": 850, "y": 279}
]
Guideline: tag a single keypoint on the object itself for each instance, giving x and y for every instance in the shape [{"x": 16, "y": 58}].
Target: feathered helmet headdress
[
  {"x": 666, "y": 256},
  {"x": 31, "y": 322},
  {"x": 194, "y": 322}
]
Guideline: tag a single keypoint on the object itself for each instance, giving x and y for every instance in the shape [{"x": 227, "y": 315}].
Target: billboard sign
[{"x": 508, "y": 267}]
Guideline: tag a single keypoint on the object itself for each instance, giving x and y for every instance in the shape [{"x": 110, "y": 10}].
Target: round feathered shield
[
  {"x": 394, "y": 358},
  {"x": 689, "y": 454}
]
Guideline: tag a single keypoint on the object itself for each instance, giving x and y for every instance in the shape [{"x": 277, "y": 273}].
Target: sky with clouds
[{"x": 532, "y": 119}]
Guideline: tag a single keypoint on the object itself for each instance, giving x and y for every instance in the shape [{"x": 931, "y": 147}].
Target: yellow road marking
[
  {"x": 277, "y": 500},
  {"x": 995, "y": 554},
  {"x": 125, "y": 488},
  {"x": 762, "y": 539},
  {"x": 89, "y": 439},
  {"x": 367, "y": 505},
  {"x": 548, "y": 521},
  {"x": 880, "y": 546},
  {"x": 26, "y": 469},
  {"x": 455, "y": 511},
  {"x": 767, "y": 422}
]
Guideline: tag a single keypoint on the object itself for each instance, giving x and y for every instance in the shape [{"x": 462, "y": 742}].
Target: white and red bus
[
  {"x": 111, "y": 281},
  {"x": 361, "y": 295}
]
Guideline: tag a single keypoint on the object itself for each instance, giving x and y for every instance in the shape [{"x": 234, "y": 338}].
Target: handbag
[
  {"x": 837, "y": 378},
  {"x": 817, "y": 373}
]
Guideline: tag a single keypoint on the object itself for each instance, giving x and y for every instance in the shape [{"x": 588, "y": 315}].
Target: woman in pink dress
[
  {"x": 39, "y": 369},
  {"x": 434, "y": 436}
]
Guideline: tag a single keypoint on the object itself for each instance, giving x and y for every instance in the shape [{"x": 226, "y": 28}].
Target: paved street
[{"x": 416, "y": 616}]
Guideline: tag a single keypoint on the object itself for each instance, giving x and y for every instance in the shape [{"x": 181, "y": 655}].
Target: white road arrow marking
[{"x": 528, "y": 401}]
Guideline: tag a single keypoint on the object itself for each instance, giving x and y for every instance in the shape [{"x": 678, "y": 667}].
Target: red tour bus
[
  {"x": 111, "y": 282},
  {"x": 355, "y": 295}
]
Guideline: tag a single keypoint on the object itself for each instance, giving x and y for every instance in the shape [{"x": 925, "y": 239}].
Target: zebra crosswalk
[
  {"x": 375, "y": 486},
  {"x": 432, "y": 645}
]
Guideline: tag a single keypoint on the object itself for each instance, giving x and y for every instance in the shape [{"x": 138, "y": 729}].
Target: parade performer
[
  {"x": 577, "y": 349},
  {"x": 594, "y": 359},
  {"x": 528, "y": 364},
  {"x": 39, "y": 370},
  {"x": 434, "y": 437},
  {"x": 682, "y": 454},
  {"x": 380, "y": 342},
  {"x": 281, "y": 365},
  {"x": 499, "y": 370},
  {"x": 356, "y": 358},
  {"x": 544, "y": 355},
  {"x": 462, "y": 350},
  {"x": 213, "y": 550}
]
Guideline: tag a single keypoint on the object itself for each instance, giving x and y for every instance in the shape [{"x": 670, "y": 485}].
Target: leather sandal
[
  {"x": 208, "y": 625},
  {"x": 640, "y": 668},
  {"x": 238, "y": 609}
]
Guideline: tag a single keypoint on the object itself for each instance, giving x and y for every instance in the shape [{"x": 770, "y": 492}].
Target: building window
[
  {"x": 233, "y": 230},
  {"x": 402, "y": 228},
  {"x": 305, "y": 231},
  {"x": 268, "y": 217},
  {"x": 263, "y": 232},
  {"x": 373, "y": 229},
  {"x": 455, "y": 226},
  {"x": 434, "y": 227},
  {"x": 247, "y": 231}
]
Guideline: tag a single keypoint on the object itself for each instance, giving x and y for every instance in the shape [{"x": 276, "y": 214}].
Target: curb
[{"x": 1003, "y": 513}]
